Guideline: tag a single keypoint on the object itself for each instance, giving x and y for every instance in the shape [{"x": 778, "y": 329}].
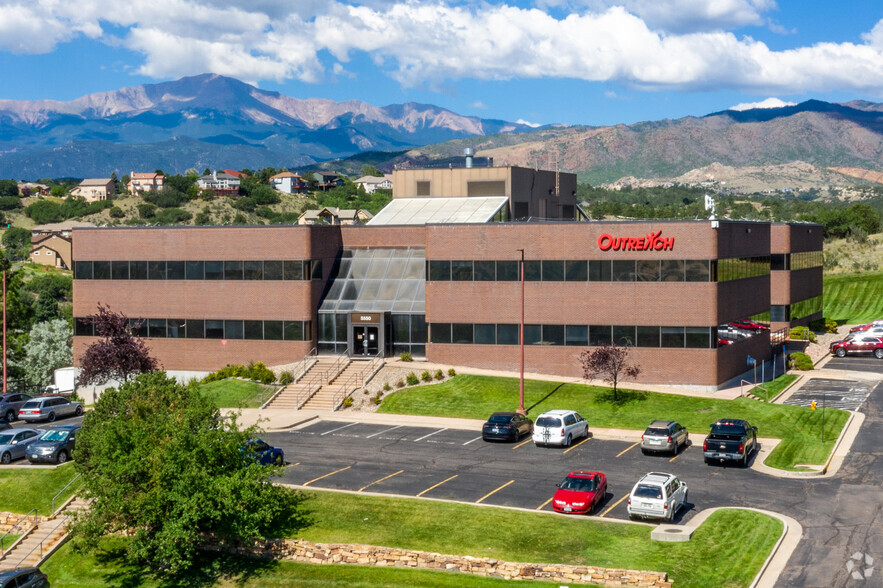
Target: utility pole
[
  {"x": 521, "y": 341},
  {"x": 4, "y": 326}
]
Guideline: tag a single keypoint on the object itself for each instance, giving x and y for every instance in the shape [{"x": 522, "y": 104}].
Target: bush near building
[
  {"x": 800, "y": 361},
  {"x": 256, "y": 371},
  {"x": 802, "y": 334}
]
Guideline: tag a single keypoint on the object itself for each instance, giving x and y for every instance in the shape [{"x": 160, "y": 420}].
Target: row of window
[
  {"x": 199, "y": 270},
  {"x": 606, "y": 270},
  {"x": 796, "y": 261},
  {"x": 574, "y": 335},
  {"x": 798, "y": 310},
  {"x": 210, "y": 329}
]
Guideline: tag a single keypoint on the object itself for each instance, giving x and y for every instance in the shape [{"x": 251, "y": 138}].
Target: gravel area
[{"x": 819, "y": 349}]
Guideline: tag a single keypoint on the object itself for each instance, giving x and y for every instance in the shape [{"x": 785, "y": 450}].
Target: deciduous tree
[
  {"x": 161, "y": 464},
  {"x": 610, "y": 362},
  {"x": 48, "y": 348},
  {"x": 118, "y": 354}
]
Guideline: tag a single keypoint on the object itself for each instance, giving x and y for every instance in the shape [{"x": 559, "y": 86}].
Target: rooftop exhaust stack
[{"x": 468, "y": 152}]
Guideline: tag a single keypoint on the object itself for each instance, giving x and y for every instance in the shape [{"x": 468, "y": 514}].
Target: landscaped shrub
[
  {"x": 387, "y": 387},
  {"x": 412, "y": 379},
  {"x": 400, "y": 384},
  {"x": 256, "y": 371},
  {"x": 285, "y": 378},
  {"x": 439, "y": 375},
  {"x": 823, "y": 325},
  {"x": 800, "y": 361},
  {"x": 406, "y": 357},
  {"x": 802, "y": 334},
  {"x": 348, "y": 401},
  {"x": 116, "y": 212},
  {"x": 376, "y": 399},
  {"x": 452, "y": 372},
  {"x": 426, "y": 376}
]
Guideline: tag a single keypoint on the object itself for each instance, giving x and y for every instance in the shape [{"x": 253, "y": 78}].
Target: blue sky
[{"x": 594, "y": 62}]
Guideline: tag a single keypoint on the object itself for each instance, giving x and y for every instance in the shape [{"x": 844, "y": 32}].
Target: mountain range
[{"x": 219, "y": 122}]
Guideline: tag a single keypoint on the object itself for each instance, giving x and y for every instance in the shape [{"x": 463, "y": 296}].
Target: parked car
[
  {"x": 866, "y": 326},
  {"x": 580, "y": 492},
  {"x": 730, "y": 440},
  {"x": 859, "y": 344},
  {"x": 873, "y": 332},
  {"x": 721, "y": 342},
  {"x": 559, "y": 427},
  {"x": 264, "y": 453},
  {"x": 55, "y": 446},
  {"x": 657, "y": 495},
  {"x": 508, "y": 426},
  {"x": 23, "y": 578},
  {"x": 10, "y": 404},
  {"x": 664, "y": 436},
  {"x": 49, "y": 408},
  {"x": 749, "y": 325},
  {"x": 14, "y": 442}
]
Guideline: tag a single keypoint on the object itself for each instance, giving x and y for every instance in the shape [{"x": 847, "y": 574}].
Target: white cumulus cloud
[{"x": 768, "y": 103}]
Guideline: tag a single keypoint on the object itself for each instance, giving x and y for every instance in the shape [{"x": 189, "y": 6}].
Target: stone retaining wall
[{"x": 369, "y": 555}]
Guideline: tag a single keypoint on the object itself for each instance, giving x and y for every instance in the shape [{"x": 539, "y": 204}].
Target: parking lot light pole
[
  {"x": 521, "y": 340},
  {"x": 4, "y": 327}
]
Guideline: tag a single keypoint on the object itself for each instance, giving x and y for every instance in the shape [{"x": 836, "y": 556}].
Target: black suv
[{"x": 55, "y": 446}]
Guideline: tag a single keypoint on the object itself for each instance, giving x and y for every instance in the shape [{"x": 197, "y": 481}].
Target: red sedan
[
  {"x": 859, "y": 344},
  {"x": 580, "y": 492},
  {"x": 865, "y": 327}
]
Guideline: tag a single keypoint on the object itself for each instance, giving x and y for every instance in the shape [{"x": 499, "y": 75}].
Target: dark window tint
[
  {"x": 315, "y": 269},
  {"x": 194, "y": 329},
  {"x": 254, "y": 270},
  {"x": 440, "y": 333},
  {"x": 484, "y": 271},
  {"x": 697, "y": 270},
  {"x": 214, "y": 329},
  {"x": 553, "y": 271},
  {"x": 214, "y": 270},
  {"x": 508, "y": 271},
  {"x": 254, "y": 330},
  {"x": 553, "y": 334},
  {"x": 576, "y": 271},
  {"x": 418, "y": 328},
  {"x": 232, "y": 270},
  {"x": 177, "y": 329},
  {"x": 138, "y": 327},
  {"x": 779, "y": 261},
  {"x": 156, "y": 328},
  {"x": 485, "y": 334},
  {"x": 599, "y": 335},
  {"x": 137, "y": 270},
  {"x": 576, "y": 335},
  {"x": 194, "y": 270},
  {"x": 294, "y": 330},
  {"x": 439, "y": 271},
  {"x": 273, "y": 330},
  {"x": 533, "y": 334},
  {"x": 672, "y": 336},
  {"x": 507, "y": 334},
  {"x": 273, "y": 270},
  {"x": 119, "y": 270},
  {"x": 698, "y": 337},
  {"x": 83, "y": 270},
  {"x": 624, "y": 335},
  {"x": 624, "y": 270},
  {"x": 101, "y": 270},
  {"x": 461, "y": 333},
  {"x": 156, "y": 270},
  {"x": 83, "y": 327},
  {"x": 780, "y": 313},
  {"x": 533, "y": 270},
  {"x": 672, "y": 270},
  {"x": 461, "y": 271},
  {"x": 233, "y": 330},
  {"x": 647, "y": 270},
  {"x": 174, "y": 270},
  {"x": 600, "y": 270},
  {"x": 648, "y": 336}
]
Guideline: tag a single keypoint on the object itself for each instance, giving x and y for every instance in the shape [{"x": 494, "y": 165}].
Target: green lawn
[
  {"x": 773, "y": 388},
  {"x": 727, "y": 550},
  {"x": 476, "y": 397},
  {"x": 853, "y": 298},
  {"x": 24, "y": 489},
  {"x": 237, "y": 393}
]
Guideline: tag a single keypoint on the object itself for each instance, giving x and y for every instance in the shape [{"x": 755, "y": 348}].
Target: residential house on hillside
[
  {"x": 234, "y": 173},
  {"x": 326, "y": 180},
  {"x": 52, "y": 244},
  {"x": 374, "y": 183},
  {"x": 289, "y": 183},
  {"x": 26, "y": 189},
  {"x": 145, "y": 182},
  {"x": 331, "y": 215},
  {"x": 93, "y": 189},
  {"x": 221, "y": 183}
]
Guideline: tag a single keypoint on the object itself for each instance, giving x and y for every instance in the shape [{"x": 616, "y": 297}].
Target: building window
[{"x": 423, "y": 189}]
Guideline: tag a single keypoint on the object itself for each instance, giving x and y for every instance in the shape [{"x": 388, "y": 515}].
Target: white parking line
[
  {"x": 339, "y": 428},
  {"x": 473, "y": 441},
  {"x": 431, "y": 434},
  {"x": 385, "y": 431}
]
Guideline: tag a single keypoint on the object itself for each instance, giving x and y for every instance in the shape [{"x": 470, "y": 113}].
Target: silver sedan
[{"x": 13, "y": 443}]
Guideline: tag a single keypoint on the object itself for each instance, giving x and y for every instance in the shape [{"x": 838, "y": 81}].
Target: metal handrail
[
  {"x": 360, "y": 378},
  {"x": 16, "y": 526},
  {"x": 754, "y": 385},
  {"x": 40, "y": 544},
  {"x": 335, "y": 369},
  {"x": 314, "y": 352},
  {"x": 302, "y": 396},
  {"x": 62, "y": 491}
]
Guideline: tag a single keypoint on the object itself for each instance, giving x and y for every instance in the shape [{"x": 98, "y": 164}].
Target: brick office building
[{"x": 450, "y": 292}]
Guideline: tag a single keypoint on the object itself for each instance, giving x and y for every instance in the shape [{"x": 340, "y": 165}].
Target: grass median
[
  {"x": 237, "y": 393},
  {"x": 727, "y": 550},
  {"x": 23, "y": 489},
  {"x": 476, "y": 397}
]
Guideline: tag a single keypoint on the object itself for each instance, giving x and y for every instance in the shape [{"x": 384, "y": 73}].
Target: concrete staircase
[
  {"x": 353, "y": 377},
  {"x": 42, "y": 540},
  {"x": 295, "y": 395}
]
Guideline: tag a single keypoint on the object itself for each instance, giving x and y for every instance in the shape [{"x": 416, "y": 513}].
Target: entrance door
[{"x": 365, "y": 340}]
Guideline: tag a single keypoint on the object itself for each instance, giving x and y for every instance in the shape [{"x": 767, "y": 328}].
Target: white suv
[
  {"x": 559, "y": 427},
  {"x": 657, "y": 496}
]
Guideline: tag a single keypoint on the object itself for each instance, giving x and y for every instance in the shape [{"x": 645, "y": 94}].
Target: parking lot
[
  {"x": 843, "y": 394},
  {"x": 39, "y": 425},
  {"x": 856, "y": 363},
  {"x": 457, "y": 465}
]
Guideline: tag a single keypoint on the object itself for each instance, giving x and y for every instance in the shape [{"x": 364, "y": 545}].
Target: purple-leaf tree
[
  {"x": 118, "y": 354},
  {"x": 610, "y": 362}
]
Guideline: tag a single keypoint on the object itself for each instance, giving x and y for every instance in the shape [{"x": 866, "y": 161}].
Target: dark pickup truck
[{"x": 730, "y": 440}]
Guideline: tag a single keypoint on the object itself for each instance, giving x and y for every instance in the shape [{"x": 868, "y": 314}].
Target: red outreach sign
[{"x": 649, "y": 242}]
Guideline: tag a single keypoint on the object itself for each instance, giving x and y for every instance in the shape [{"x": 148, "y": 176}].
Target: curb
[{"x": 789, "y": 389}]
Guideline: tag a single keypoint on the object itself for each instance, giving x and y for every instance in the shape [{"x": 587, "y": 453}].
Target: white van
[
  {"x": 657, "y": 495},
  {"x": 559, "y": 427}
]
